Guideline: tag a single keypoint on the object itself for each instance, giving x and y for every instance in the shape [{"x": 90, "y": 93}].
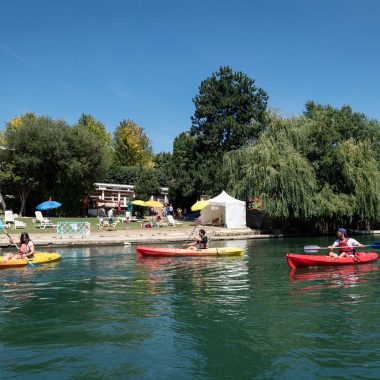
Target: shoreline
[{"x": 143, "y": 236}]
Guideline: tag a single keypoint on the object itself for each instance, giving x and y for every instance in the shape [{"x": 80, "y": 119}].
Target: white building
[{"x": 114, "y": 195}]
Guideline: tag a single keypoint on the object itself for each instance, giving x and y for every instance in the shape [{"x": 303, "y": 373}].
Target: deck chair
[
  {"x": 9, "y": 220},
  {"x": 172, "y": 221},
  {"x": 20, "y": 224},
  {"x": 42, "y": 222}
]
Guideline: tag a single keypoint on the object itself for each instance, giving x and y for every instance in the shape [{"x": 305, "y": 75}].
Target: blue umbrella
[{"x": 48, "y": 205}]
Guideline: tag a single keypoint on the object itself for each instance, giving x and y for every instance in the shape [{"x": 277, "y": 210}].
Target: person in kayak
[
  {"x": 26, "y": 248},
  {"x": 345, "y": 244},
  {"x": 200, "y": 243}
]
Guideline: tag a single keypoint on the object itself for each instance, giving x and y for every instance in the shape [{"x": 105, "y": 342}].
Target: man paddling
[
  {"x": 200, "y": 243},
  {"x": 346, "y": 245}
]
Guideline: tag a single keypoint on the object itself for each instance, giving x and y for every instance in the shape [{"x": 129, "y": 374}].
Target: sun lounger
[{"x": 172, "y": 221}]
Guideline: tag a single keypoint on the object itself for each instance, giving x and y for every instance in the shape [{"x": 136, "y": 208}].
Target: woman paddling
[
  {"x": 200, "y": 243},
  {"x": 26, "y": 249},
  {"x": 346, "y": 245}
]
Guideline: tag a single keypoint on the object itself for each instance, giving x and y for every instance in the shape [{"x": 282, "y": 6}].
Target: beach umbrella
[
  {"x": 48, "y": 205},
  {"x": 137, "y": 202},
  {"x": 200, "y": 205},
  {"x": 153, "y": 204}
]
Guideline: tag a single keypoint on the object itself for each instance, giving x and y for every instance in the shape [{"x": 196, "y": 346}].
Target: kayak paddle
[
  {"x": 198, "y": 222},
  {"x": 316, "y": 248},
  {"x": 18, "y": 249}
]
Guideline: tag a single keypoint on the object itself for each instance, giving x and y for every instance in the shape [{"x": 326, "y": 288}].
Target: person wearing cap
[
  {"x": 200, "y": 243},
  {"x": 346, "y": 245}
]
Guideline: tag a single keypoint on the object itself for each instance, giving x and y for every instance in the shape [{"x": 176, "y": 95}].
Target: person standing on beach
[
  {"x": 110, "y": 216},
  {"x": 101, "y": 215}
]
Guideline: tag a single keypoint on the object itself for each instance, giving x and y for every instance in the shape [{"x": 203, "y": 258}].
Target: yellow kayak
[{"x": 39, "y": 258}]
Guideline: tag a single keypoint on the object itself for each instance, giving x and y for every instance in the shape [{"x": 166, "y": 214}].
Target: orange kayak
[{"x": 179, "y": 252}]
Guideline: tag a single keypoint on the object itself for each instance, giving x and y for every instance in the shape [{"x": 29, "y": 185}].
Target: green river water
[{"x": 101, "y": 313}]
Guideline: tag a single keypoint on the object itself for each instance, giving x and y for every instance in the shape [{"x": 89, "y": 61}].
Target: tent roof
[{"x": 223, "y": 198}]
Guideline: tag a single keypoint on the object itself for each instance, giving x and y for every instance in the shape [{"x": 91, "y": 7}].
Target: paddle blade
[
  {"x": 311, "y": 248},
  {"x": 30, "y": 264},
  {"x": 374, "y": 245}
]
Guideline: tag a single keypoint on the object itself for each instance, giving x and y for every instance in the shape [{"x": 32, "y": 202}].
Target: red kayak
[{"x": 301, "y": 261}]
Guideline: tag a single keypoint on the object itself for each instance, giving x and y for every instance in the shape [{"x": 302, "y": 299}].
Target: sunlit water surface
[{"x": 102, "y": 313}]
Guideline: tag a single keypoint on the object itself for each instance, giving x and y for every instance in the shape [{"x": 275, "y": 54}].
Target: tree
[
  {"x": 95, "y": 127},
  {"x": 85, "y": 163},
  {"x": 273, "y": 170},
  {"x": 163, "y": 165},
  {"x": 332, "y": 126},
  {"x": 20, "y": 120},
  {"x": 147, "y": 184},
  {"x": 277, "y": 169},
  {"x": 132, "y": 146},
  {"x": 52, "y": 159},
  {"x": 229, "y": 111},
  {"x": 183, "y": 189},
  {"x": 124, "y": 175}
]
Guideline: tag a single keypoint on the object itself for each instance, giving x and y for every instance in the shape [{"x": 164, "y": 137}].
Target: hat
[{"x": 343, "y": 231}]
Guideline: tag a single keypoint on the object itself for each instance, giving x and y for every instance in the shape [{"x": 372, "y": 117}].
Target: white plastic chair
[
  {"x": 42, "y": 222},
  {"x": 172, "y": 221},
  {"x": 9, "y": 220}
]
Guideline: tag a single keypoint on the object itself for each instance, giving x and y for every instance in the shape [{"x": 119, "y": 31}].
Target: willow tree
[
  {"x": 275, "y": 171},
  {"x": 358, "y": 171},
  {"x": 278, "y": 169}
]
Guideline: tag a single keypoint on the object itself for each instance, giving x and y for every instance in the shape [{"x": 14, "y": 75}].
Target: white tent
[{"x": 228, "y": 210}]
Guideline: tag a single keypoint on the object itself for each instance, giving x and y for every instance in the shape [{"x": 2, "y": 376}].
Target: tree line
[{"x": 315, "y": 171}]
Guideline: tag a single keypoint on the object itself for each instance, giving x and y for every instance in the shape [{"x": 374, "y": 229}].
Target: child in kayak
[
  {"x": 26, "y": 248},
  {"x": 200, "y": 243},
  {"x": 346, "y": 245}
]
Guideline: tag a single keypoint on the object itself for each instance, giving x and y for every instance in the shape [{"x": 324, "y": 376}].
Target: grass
[{"x": 30, "y": 227}]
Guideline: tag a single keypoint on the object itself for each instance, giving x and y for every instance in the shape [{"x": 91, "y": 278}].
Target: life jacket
[
  {"x": 345, "y": 247},
  {"x": 25, "y": 248},
  {"x": 203, "y": 242}
]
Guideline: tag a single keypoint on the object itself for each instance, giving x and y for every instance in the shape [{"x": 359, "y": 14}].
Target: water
[{"x": 101, "y": 313}]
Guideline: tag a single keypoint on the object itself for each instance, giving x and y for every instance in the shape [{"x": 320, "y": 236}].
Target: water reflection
[
  {"x": 315, "y": 281},
  {"x": 108, "y": 313}
]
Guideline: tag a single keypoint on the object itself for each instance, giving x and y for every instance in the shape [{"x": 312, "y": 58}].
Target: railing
[{"x": 70, "y": 229}]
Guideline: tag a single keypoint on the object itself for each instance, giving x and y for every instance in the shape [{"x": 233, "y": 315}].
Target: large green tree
[
  {"x": 147, "y": 184},
  {"x": 183, "y": 188},
  {"x": 51, "y": 159},
  {"x": 229, "y": 112}
]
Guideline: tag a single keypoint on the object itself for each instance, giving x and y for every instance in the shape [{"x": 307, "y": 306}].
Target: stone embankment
[{"x": 139, "y": 236}]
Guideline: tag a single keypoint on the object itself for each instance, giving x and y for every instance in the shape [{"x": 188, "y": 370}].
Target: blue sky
[{"x": 144, "y": 59}]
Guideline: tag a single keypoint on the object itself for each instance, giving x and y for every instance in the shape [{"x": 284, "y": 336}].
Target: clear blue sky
[{"x": 144, "y": 59}]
